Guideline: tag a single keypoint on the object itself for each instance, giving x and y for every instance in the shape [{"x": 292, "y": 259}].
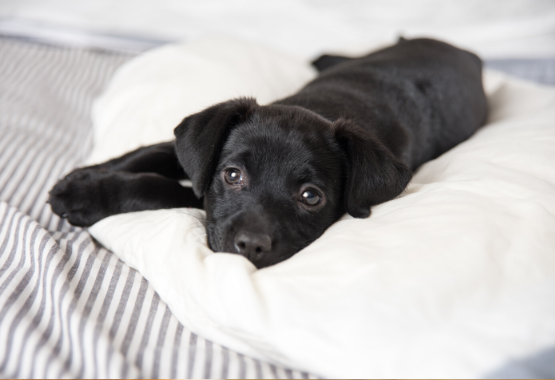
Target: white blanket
[{"x": 453, "y": 279}]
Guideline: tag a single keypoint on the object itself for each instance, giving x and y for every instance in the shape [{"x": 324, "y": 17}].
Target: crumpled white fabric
[
  {"x": 451, "y": 280},
  {"x": 150, "y": 95}
]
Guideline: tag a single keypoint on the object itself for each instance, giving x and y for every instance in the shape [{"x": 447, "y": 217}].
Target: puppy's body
[
  {"x": 420, "y": 97},
  {"x": 273, "y": 178}
]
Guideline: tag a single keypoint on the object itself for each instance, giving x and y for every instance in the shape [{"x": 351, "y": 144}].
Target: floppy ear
[
  {"x": 373, "y": 175},
  {"x": 200, "y": 138}
]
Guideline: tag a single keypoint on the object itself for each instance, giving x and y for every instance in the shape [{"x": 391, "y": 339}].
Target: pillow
[
  {"x": 150, "y": 95},
  {"x": 452, "y": 279}
]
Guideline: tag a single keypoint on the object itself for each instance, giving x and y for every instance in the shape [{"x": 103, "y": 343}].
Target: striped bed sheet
[{"x": 69, "y": 307}]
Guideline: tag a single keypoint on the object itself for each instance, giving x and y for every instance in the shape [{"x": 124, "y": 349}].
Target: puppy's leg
[
  {"x": 158, "y": 158},
  {"x": 86, "y": 196},
  {"x": 326, "y": 61},
  {"x": 144, "y": 179}
]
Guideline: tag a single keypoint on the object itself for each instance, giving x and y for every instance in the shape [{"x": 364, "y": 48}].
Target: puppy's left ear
[
  {"x": 373, "y": 175},
  {"x": 200, "y": 138}
]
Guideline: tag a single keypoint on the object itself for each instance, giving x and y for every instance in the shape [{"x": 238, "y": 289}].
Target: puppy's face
[
  {"x": 274, "y": 178},
  {"x": 277, "y": 186}
]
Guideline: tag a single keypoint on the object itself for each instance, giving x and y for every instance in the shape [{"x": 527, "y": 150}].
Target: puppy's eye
[
  {"x": 310, "y": 197},
  {"x": 233, "y": 176}
]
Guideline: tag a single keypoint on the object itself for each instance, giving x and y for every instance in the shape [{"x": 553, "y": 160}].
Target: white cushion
[
  {"x": 150, "y": 95},
  {"x": 453, "y": 279}
]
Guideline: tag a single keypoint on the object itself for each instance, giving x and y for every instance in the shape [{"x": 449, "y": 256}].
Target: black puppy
[{"x": 273, "y": 178}]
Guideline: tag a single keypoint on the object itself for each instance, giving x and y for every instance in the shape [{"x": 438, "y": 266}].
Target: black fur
[{"x": 351, "y": 138}]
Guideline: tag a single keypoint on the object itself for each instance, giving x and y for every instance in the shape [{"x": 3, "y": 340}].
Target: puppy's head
[{"x": 275, "y": 177}]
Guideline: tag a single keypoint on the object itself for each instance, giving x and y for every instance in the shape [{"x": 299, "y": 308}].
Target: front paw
[{"x": 79, "y": 197}]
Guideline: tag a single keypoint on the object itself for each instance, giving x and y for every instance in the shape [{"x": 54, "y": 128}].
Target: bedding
[
  {"x": 455, "y": 278},
  {"x": 148, "y": 98},
  {"x": 71, "y": 308},
  {"x": 493, "y": 29},
  {"x": 68, "y": 307}
]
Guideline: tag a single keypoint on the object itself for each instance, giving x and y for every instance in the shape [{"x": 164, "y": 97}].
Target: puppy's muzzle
[{"x": 253, "y": 245}]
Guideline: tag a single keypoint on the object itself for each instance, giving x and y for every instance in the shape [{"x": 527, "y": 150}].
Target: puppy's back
[{"x": 421, "y": 97}]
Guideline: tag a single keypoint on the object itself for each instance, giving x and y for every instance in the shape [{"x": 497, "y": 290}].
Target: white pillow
[
  {"x": 453, "y": 279},
  {"x": 150, "y": 95}
]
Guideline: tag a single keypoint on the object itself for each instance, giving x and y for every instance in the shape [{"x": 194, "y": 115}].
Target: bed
[{"x": 68, "y": 306}]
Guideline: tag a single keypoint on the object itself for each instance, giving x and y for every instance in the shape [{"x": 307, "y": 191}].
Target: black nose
[{"x": 252, "y": 245}]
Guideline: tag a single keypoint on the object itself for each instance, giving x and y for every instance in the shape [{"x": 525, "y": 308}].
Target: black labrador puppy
[{"x": 273, "y": 178}]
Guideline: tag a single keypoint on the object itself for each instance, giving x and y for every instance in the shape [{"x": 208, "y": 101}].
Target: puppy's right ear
[{"x": 200, "y": 138}]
